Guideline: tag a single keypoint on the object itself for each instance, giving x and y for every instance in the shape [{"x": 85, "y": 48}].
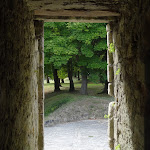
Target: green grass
[
  {"x": 93, "y": 89},
  {"x": 54, "y": 100},
  {"x": 54, "y": 105}
]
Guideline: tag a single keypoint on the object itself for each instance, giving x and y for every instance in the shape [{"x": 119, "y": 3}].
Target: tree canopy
[{"x": 82, "y": 44}]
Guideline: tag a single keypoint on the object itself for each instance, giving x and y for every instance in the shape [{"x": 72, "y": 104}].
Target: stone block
[
  {"x": 110, "y": 73},
  {"x": 109, "y": 38},
  {"x": 109, "y": 57},
  {"x": 111, "y": 125},
  {"x": 111, "y": 89}
]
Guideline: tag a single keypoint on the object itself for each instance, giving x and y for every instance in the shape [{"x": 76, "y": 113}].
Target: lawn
[{"x": 54, "y": 100}]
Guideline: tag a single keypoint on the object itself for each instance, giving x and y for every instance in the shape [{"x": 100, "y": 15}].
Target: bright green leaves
[
  {"x": 57, "y": 48},
  {"x": 118, "y": 71},
  {"x": 77, "y": 26},
  {"x": 102, "y": 31},
  {"x": 118, "y": 147},
  {"x": 112, "y": 48},
  {"x": 92, "y": 63},
  {"x": 84, "y": 43},
  {"x": 96, "y": 63},
  {"x": 106, "y": 116},
  {"x": 62, "y": 73},
  {"x": 86, "y": 32},
  {"x": 113, "y": 104},
  {"x": 72, "y": 50},
  {"x": 58, "y": 61}
]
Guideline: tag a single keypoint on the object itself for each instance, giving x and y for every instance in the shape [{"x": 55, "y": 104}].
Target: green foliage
[
  {"x": 118, "y": 71},
  {"x": 84, "y": 43},
  {"x": 86, "y": 50},
  {"x": 58, "y": 61},
  {"x": 113, "y": 104},
  {"x": 48, "y": 70},
  {"x": 57, "y": 50},
  {"x": 51, "y": 99},
  {"x": 100, "y": 46},
  {"x": 118, "y": 147},
  {"x": 96, "y": 63},
  {"x": 62, "y": 73},
  {"x": 106, "y": 116},
  {"x": 112, "y": 48},
  {"x": 94, "y": 77}
]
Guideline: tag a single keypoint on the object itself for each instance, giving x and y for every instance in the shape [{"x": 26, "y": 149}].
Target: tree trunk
[
  {"x": 70, "y": 73},
  {"x": 84, "y": 84},
  {"x": 59, "y": 82},
  {"x": 56, "y": 80},
  {"x": 75, "y": 74},
  {"x": 62, "y": 81},
  {"x": 48, "y": 80},
  {"x": 105, "y": 90},
  {"x": 78, "y": 75}
]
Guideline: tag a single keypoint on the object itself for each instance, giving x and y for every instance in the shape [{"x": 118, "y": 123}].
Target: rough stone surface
[
  {"x": 18, "y": 71},
  {"x": 75, "y": 10},
  {"x": 39, "y": 39},
  {"x": 18, "y": 78},
  {"x": 111, "y": 125},
  {"x": 82, "y": 135},
  {"x": 129, "y": 83}
]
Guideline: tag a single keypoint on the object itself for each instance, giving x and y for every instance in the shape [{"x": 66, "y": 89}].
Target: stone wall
[
  {"x": 18, "y": 78},
  {"x": 39, "y": 33},
  {"x": 21, "y": 66},
  {"x": 128, "y": 77}
]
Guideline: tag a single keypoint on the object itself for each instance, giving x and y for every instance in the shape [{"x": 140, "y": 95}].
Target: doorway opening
[{"x": 76, "y": 84}]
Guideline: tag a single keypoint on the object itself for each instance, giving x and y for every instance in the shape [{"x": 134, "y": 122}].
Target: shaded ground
[
  {"x": 63, "y": 106},
  {"x": 82, "y": 135},
  {"x": 79, "y": 108},
  {"x": 93, "y": 88}
]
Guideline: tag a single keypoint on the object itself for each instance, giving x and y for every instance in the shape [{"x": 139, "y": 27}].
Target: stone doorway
[
  {"x": 71, "y": 116},
  {"x": 19, "y": 86},
  {"x": 78, "y": 15}
]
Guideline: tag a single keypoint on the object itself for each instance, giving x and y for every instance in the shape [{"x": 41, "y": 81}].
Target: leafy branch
[
  {"x": 112, "y": 48},
  {"x": 118, "y": 147},
  {"x": 118, "y": 71},
  {"x": 106, "y": 116}
]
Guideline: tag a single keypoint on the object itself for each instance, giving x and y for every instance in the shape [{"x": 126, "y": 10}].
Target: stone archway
[{"x": 21, "y": 53}]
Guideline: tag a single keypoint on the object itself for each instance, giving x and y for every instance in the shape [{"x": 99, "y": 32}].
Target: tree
[
  {"x": 80, "y": 45},
  {"x": 78, "y": 75},
  {"x": 59, "y": 49},
  {"x": 62, "y": 73},
  {"x": 90, "y": 40},
  {"x": 70, "y": 74},
  {"x": 56, "y": 80}
]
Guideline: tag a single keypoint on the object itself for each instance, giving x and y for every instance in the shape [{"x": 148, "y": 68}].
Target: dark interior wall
[
  {"x": 146, "y": 44},
  {"x": 18, "y": 78},
  {"x": 130, "y": 90}
]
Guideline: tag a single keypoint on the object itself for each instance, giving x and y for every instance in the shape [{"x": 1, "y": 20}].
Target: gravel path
[{"x": 81, "y": 135}]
